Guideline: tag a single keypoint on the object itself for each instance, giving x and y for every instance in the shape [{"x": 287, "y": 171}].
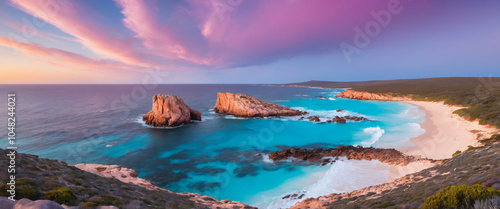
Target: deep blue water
[{"x": 222, "y": 156}]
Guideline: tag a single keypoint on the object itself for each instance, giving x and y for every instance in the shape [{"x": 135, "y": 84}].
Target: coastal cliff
[
  {"x": 359, "y": 95},
  {"x": 170, "y": 111},
  {"x": 241, "y": 105}
]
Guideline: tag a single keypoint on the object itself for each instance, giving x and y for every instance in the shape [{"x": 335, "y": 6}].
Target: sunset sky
[{"x": 246, "y": 41}]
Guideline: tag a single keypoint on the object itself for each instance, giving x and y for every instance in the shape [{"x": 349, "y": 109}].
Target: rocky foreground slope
[
  {"x": 39, "y": 178},
  {"x": 360, "y": 95},
  {"x": 241, "y": 105},
  {"x": 170, "y": 111},
  {"x": 479, "y": 165}
]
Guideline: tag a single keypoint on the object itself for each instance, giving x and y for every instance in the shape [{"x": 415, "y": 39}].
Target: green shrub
[
  {"x": 62, "y": 195},
  {"x": 493, "y": 138},
  {"x": 459, "y": 196},
  {"x": 27, "y": 191},
  {"x": 84, "y": 191},
  {"x": 88, "y": 205},
  {"x": 473, "y": 148},
  {"x": 50, "y": 185},
  {"x": 125, "y": 187},
  {"x": 105, "y": 199},
  {"x": 25, "y": 181},
  {"x": 456, "y": 153}
]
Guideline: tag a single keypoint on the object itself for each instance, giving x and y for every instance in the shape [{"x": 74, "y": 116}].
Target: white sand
[{"x": 445, "y": 132}]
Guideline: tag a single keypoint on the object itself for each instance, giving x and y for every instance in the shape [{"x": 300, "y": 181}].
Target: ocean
[{"x": 221, "y": 156}]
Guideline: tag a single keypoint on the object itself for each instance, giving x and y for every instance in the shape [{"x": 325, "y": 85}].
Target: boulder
[
  {"x": 170, "y": 111},
  {"x": 39, "y": 204},
  {"x": 338, "y": 119},
  {"x": 355, "y": 118},
  {"x": 241, "y": 105},
  {"x": 313, "y": 118}
]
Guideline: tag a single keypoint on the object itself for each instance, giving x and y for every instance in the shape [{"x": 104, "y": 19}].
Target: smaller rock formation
[
  {"x": 338, "y": 119},
  {"x": 313, "y": 118},
  {"x": 171, "y": 111},
  {"x": 241, "y": 105},
  {"x": 355, "y": 118}
]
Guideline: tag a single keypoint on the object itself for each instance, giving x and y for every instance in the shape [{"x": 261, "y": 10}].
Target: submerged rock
[
  {"x": 313, "y": 118},
  {"x": 171, "y": 111},
  {"x": 241, "y": 105},
  {"x": 338, "y": 119}
]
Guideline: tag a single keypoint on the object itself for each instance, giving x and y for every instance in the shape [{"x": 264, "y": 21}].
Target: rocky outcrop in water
[
  {"x": 352, "y": 94},
  {"x": 170, "y": 111},
  {"x": 389, "y": 156},
  {"x": 241, "y": 105}
]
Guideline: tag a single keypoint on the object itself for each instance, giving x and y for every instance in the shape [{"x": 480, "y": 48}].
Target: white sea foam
[
  {"x": 375, "y": 132},
  {"x": 399, "y": 136},
  {"x": 342, "y": 176},
  {"x": 143, "y": 123},
  {"x": 234, "y": 117},
  {"x": 266, "y": 159},
  {"x": 412, "y": 112},
  {"x": 108, "y": 145},
  {"x": 207, "y": 117}
]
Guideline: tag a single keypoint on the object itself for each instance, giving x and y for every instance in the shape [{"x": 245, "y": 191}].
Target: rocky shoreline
[{"x": 328, "y": 155}]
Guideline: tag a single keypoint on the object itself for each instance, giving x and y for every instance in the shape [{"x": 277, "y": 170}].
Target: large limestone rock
[
  {"x": 241, "y": 105},
  {"x": 171, "y": 111}
]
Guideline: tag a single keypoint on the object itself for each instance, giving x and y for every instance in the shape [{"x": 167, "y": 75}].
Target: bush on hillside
[
  {"x": 463, "y": 196},
  {"x": 62, "y": 195}
]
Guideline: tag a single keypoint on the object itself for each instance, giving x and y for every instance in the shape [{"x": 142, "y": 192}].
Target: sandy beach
[{"x": 445, "y": 132}]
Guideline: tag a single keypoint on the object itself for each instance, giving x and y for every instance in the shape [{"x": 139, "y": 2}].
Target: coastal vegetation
[{"x": 463, "y": 196}]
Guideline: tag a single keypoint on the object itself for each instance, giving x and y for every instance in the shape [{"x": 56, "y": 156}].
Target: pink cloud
[
  {"x": 218, "y": 33},
  {"x": 214, "y": 33},
  {"x": 57, "y": 57},
  {"x": 74, "y": 20}
]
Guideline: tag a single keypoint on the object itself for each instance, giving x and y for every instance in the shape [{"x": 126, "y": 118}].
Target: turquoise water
[{"x": 221, "y": 156}]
